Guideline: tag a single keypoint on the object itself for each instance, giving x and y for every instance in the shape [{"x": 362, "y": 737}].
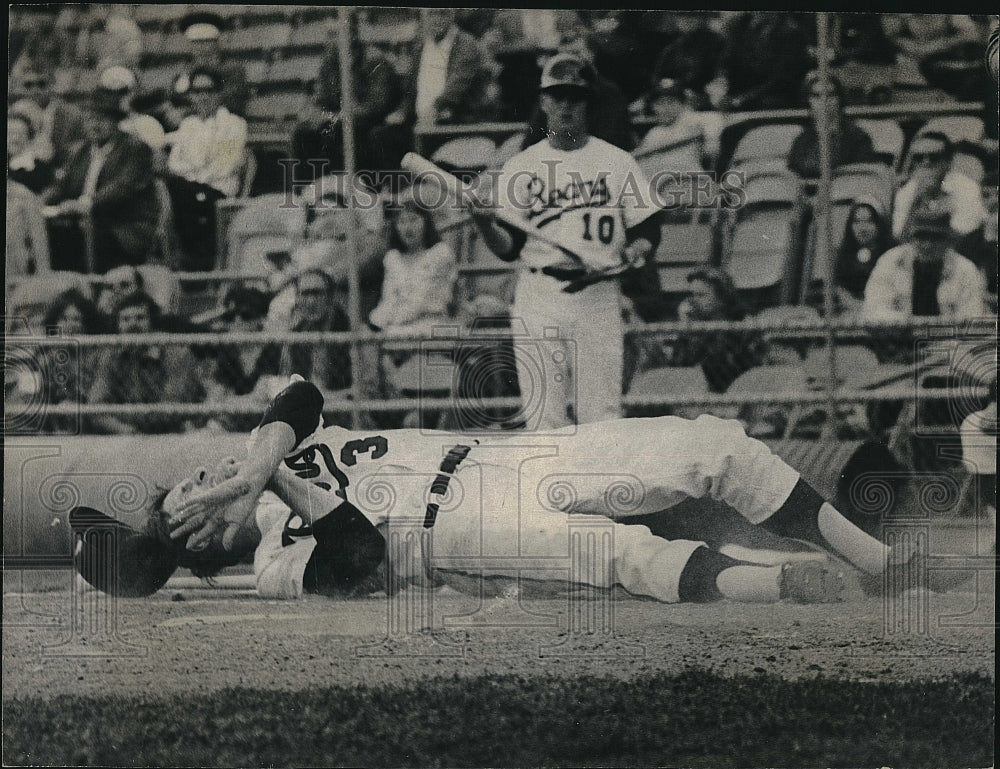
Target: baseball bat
[{"x": 420, "y": 166}]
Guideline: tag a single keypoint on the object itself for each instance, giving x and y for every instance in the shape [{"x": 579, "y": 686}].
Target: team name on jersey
[{"x": 577, "y": 193}]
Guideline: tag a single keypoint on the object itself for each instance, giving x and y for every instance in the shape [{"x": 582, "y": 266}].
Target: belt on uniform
[{"x": 448, "y": 467}]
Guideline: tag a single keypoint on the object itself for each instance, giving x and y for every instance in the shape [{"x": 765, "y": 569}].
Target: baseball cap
[
  {"x": 201, "y": 26},
  {"x": 566, "y": 70}
]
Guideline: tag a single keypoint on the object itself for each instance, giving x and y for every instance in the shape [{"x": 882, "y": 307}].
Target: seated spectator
[
  {"x": 122, "y": 81},
  {"x": 203, "y": 30},
  {"x": 866, "y": 237},
  {"x": 60, "y": 126},
  {"x": 70, "y": 369},
  {"x": 924, "y": 277},
  {"x": 120, "y": 282},
  {"x": 932, "y": 178},
  {"x": 109, "y": 180},
  {"x": 318, "y": 307},
  {"x": 377, "y": 92},
  {"x": 448, "y": 86},
  {"x": 146, "y": 374},
  {"x": 420, "y": 273},
  {"x": 27, "y": 237},
  {"x": 678, "y": 140},
  {"x": 848, "y": 143},
  {"x": 607, "y": 112},
  {"x": 723, "y": 356},
  {"x": 691, "y": 58},
  {"x": 205, "y": 163},
  {"x": 765, "y": 59},
  {"x": 22, "y": 165}
]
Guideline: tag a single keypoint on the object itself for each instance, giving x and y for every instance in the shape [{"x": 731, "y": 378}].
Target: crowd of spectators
[{"x": 130, "y": 177}]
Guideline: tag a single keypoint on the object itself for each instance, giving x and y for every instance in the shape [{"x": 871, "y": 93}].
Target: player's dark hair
[{"x": 431, "y": 235}]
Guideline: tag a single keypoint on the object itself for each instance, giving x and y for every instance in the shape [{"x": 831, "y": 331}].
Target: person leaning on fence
[
  {"x": 108, "y": 181},
  {"x": 146, "y": 374}
]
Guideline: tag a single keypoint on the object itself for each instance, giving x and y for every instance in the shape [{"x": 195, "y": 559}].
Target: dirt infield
[{"x": 189, "y": 639}]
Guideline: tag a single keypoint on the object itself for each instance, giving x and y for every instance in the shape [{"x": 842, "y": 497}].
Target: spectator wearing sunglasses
[
  {"x": 60, "y": 125},
  {"x": 931, "y": 178}
]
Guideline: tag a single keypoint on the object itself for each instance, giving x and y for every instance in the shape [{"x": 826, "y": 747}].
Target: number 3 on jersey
[
  {"x": 605, "y": 228},
  {"x": 304, "y": 464}
]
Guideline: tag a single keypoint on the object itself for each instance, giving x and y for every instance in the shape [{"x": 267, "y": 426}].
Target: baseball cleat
[
  {"x": 767, "y": 557},
  {"x": 810, "y": 582},
  {"x": 912, "y": 573}
]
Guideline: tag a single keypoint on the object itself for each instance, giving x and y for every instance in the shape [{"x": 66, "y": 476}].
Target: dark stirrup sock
[
  {"x": 697, "y": 583},
  {"x": 798, "y": 517}
]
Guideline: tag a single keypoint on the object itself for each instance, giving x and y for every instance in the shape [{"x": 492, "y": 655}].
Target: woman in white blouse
[{"x": 420, "y": 273}]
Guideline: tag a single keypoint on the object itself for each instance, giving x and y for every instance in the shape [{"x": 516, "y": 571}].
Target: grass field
[{"x": 692, "y": 719}]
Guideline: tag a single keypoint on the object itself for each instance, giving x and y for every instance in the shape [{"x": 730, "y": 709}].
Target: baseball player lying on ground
[{"x": 314, "y": 504}]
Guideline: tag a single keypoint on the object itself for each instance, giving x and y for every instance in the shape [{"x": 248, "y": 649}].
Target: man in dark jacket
[
  {"x": 449, "y": 85},
  {"x": 108, "y": 181}
]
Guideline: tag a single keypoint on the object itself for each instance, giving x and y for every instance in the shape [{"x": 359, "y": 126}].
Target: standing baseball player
[
  {"x": 492, "y": 502},
  {"x": 592, "y": 198}
]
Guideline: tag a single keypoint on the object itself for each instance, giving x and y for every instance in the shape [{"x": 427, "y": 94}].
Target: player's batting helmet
[{"x": 117, "y": 559}]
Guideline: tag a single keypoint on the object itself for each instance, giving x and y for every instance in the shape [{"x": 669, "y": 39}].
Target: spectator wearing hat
[
  {"x": 679, "y": 140},
  {"x": 121, "y": 80},
  {"x": 205, "y": 164},
  {"x": 202, "y": 30},
  {"x": 110, "y": 180},
  {"x": 143, "y": 374},
  {"x": 931, "y": 178},
  {"x": 58, "y": 124},
  {"x": 924, "y": 277},
  {"x": 848, "y": 143}
]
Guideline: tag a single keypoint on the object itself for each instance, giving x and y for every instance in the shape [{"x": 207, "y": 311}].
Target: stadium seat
[
  {"x": 761, "y": 243},
  {"x": 670, "y": 381},
  {"x": 154, "y": 14},
  {"x": 313, "y": 34},
  {"x": 256, "y": 70},
  {"x": 958, "y": 128},
  {"x": 155, "y": 78},
  {"x": 465, "y": 153},
  {"x": 259, "y": 37},
  {"x": 970, "y": 165},
  {"x": 766, "y": 421},
  {"x": 686, "y": 243},
  {"x": 389, "y": 34},
  {"x": 767, "y": 141},
  {"x": 856, "y": 365},
  {"x": 276, "y": 107},
  {"x": 173, "y": 44},
  {"x": 887, "y": 139},
  {"x": 295, "y": 69}
]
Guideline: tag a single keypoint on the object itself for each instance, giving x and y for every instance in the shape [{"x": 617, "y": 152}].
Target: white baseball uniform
[
  {"x": 585, "y": 199},
  {"x": 509, "y": 505}
]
